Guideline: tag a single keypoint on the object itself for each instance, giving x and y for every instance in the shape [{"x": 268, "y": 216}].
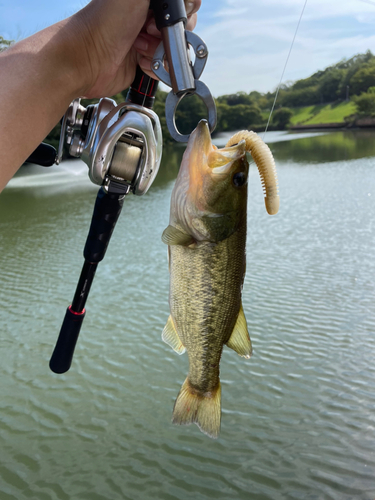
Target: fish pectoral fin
[
  {"x": 240, "y": 340},
  {"x": 170, "y": 337},
  {"x": 173, "y": 236}
]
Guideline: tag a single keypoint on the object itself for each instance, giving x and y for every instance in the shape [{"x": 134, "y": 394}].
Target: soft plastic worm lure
[{"x": 266, "y": 165}]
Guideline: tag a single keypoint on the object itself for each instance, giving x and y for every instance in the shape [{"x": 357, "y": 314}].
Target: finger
[
  {"x": 145, "y": 64},
  {"x": 146, "y": 45},
  {"x": 192, "y": 6},
  {"x": 192, "y": 22},
  {"x": 152, "y": 29}
]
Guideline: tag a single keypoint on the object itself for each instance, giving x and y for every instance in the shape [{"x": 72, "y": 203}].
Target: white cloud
[{"x": 249, "y": 41}]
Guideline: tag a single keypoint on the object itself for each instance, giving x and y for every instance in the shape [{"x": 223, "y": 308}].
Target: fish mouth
[
  {"x": 201, "y": 137},
  {"x": 221, "y": 160}
]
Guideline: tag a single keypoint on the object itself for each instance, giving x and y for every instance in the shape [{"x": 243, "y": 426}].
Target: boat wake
[{"x": 71, "y": 174}]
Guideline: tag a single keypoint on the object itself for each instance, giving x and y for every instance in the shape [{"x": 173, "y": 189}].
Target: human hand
[
  {"x": 116, "y": 36},
  {"x": 94, "y": 53}
]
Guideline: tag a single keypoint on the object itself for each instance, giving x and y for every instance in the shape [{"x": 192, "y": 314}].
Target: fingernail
[
  {"x": 140, "y": 44},
  {"x": 189, "y": 8}
]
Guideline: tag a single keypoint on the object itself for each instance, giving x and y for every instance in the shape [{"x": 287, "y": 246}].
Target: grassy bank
[{"x": 323, "y": 113}]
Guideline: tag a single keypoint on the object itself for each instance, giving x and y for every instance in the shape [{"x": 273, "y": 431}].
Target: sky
[{"x": 248, "y": 40}]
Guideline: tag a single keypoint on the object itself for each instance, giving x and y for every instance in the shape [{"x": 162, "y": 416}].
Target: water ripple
[{"x": 298, "y": 417}]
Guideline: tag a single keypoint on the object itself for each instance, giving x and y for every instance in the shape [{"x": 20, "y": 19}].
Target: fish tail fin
[{"x": 193, "y": 407}]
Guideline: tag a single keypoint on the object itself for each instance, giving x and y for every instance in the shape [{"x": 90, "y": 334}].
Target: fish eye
[{"x": 239, "y": 179}]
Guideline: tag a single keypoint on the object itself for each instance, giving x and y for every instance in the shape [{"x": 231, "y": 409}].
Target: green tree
[
  {"x": 4, "y": 44},
  {"x": 234, "y": 99},
  {"x": 305, "y": 82},
  {"x": 281, "y": 117},
  {"x": 240, "y": 116},
  {"x": 300, "y": 97},
  {"x": 363, "y": 78},
  {"x": 190, "y": 110},
  {"x": 351, "y": 66},
  {"x": 365, "y": 103},
  {"x": 330, "y": 83}
]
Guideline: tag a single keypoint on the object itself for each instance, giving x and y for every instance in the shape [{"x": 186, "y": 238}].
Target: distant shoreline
[{"x": 359, "y": 123}]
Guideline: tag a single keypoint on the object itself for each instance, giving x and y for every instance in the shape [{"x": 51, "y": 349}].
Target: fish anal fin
[
  {"x": 240, "y": 341},
  {"x": 173, "y": 236},
  {"x": 192, "y": 407},
  {"x": 170, "y": 337}
]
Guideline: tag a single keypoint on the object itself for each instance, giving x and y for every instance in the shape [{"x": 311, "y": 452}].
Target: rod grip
[
  {"x": 106, "y": 212},
  {"x": 142, "y": 90},
  {"x": 62, "y": 355}
]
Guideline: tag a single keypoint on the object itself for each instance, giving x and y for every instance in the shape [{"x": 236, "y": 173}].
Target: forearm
[{"x": 34, "y": 94}]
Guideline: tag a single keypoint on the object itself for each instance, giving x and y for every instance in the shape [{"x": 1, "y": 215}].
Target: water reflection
[
  {"x": 327, "y": 147},
  {"x": 297, "y": 147},
  {"x": 170, "y": 164}
]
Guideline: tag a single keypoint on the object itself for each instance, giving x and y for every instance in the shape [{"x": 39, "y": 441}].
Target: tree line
[{"x": 352, "y": 79}]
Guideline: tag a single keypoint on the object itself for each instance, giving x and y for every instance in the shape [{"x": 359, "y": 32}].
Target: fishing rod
[{"x": 122, "y": 147}]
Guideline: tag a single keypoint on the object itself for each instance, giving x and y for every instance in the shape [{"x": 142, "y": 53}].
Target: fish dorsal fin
[
  {"x": 240, "y": 340},
  {"x": 170, "y": 337},
  {"x": 174, "y": 236}
]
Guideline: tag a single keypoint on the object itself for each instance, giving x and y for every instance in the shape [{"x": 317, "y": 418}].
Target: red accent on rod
[
  {"x": 150, "y": 90},
  {"x": 140, "y": 84},
  {"x": 75, "y": 312}
]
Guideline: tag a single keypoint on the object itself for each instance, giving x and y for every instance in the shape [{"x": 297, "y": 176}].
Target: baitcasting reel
[{"x": 121, "y": 144}]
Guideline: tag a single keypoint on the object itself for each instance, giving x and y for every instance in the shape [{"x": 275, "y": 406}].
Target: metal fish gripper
[{"x": 183, "y": 76}]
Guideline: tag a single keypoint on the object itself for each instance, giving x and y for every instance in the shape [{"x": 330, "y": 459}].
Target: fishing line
[
  {"x": 282, "y": 74},
  {"x": 265, "y": 131}
]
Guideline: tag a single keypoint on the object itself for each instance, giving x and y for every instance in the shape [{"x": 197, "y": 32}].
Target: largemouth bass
[{"x": 206, "y": 240}]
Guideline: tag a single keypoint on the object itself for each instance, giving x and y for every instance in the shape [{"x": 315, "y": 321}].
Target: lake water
[{"x": 298, "y": 417}]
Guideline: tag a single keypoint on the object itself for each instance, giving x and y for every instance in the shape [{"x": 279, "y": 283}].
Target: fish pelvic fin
[
  {"x": 170, "y": 337},
  {"x": 240, "y": 341},
  {"x": 173, "y": 236},
  {"x": 193, "y": 407}
]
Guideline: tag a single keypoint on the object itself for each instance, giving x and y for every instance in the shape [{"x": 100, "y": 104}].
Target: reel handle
[{"x": 44, "y": 155}]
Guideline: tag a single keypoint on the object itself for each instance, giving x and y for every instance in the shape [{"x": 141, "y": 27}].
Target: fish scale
[{"x": 205, "y": 300}]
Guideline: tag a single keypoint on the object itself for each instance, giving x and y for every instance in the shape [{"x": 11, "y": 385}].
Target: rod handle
[
  {"x": 106, "y": 212},
  {"x": 62, "y": 355},
  {"x": 143, "y": 89}
]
